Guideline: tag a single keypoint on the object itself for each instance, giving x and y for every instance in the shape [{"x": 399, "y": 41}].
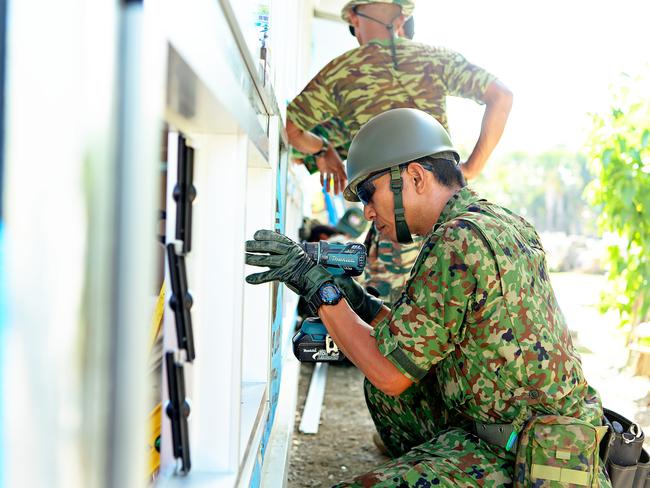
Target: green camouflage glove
[
  {"x": 363, "y": 303},
  {"x": 288, "y": 262}
]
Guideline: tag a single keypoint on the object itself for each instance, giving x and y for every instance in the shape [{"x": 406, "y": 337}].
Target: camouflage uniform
[
  {"x": 363, "y": 82},
  {"x": 479, "y": 331},
  {"x": 388, "y": 266}
]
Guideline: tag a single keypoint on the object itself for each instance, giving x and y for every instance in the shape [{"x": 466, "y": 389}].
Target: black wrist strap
[{"x": 315, "y": 301}]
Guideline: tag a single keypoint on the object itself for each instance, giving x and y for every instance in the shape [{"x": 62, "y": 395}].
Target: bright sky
[{"x": 558, "y": 57}]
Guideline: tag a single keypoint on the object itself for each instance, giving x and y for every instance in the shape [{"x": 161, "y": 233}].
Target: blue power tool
[
  {"x": 312, "y": 343},
  {"x": 339, "y": 258}
]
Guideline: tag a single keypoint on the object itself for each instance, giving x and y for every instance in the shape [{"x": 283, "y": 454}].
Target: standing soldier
[{"x": 387, "y": 72}]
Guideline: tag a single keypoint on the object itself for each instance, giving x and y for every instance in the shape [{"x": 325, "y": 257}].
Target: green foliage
[
  {"x": 619, "y": 153},
  {"x": 547, "y": 189}
]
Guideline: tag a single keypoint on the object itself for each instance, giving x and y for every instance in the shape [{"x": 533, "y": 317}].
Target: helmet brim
[{"x": 350, "y": 192}]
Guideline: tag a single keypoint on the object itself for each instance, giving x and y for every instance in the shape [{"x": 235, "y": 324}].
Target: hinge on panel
[
  {"x": 181, "y": 302},
  {"x": 178, "y": 409},
  {"x": 184, "y": 194}
]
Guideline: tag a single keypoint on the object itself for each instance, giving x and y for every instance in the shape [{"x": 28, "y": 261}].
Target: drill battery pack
[{"x": 312, "y": 343}]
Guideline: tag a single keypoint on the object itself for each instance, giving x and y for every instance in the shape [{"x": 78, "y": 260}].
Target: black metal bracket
[
  {"x": 178, "y": 409},
  {"x": 184, "y": 194},
  {"x": 181, "y": 302}
]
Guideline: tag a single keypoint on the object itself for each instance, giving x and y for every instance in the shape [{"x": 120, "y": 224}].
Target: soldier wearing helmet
[
  {"x": 385, "y": 72},
  {"x": 475, "y": 346}
]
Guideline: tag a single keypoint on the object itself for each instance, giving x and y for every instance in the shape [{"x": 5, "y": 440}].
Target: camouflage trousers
[
  {"x": 429, "y": 446},
  {"x": 433, "y": 447}
]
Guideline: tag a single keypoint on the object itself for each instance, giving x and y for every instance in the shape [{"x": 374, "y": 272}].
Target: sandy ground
[{"x": 343, "y": 446}]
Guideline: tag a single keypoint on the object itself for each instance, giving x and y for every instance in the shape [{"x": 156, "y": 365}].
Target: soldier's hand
[
  {"x": 332, "y": 171},
  {"x": 287, "y": 261}
]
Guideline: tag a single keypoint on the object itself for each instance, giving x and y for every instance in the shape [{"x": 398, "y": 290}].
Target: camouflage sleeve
[
  {"x": 315, "y": 104},
  {"x": 336, "y": 132},
  {"x": 464, "y": 79},
  {"x": 428, "y": 320}
]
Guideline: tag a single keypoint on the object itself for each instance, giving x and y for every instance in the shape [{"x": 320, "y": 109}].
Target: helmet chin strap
[
  {"x": 401, "y": 227},
  {"x": 391, "y": 30}
]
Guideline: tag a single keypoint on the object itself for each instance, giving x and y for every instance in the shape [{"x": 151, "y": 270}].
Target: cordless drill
[
  {"x": 338, "y": 258},
  {"x": 312, "y": 343}
]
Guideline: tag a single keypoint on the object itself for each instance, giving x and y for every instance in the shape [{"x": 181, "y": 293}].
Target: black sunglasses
[{"x": 366, "y": 189}]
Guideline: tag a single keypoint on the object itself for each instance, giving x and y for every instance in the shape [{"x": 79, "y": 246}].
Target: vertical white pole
[{"x": 138, "y": 130}]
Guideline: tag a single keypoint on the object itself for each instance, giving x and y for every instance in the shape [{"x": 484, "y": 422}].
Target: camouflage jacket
[
  {"x": 361, "y": 83},
  {"x": 479, "y": 307},
  {"x": 388, "y": 266}
]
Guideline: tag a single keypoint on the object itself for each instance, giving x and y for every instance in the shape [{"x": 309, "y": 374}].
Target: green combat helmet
[
  {"x": 352, "y": 223},
  {"x": 389, "y": 140}
]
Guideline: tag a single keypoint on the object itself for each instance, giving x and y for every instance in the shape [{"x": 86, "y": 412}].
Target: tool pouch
[
  {"x": 556, "y": 451},
  {"x": 628, "y": 464}
]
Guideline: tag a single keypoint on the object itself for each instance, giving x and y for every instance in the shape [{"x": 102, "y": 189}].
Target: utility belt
[
  {"x": 559, "y": 451},
  {"x": 628, "y": 464}
]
